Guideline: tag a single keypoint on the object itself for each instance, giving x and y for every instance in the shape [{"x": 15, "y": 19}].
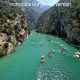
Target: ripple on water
[{"x": 55, "y": 72}]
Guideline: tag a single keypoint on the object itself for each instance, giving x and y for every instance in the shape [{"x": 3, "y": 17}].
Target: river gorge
[{"x": 24, "y": 63}]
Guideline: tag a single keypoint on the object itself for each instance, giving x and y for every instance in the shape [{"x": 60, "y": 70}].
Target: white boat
[
  {"x": 42, "y": 59},
  {"x": 77, "y": 55}
]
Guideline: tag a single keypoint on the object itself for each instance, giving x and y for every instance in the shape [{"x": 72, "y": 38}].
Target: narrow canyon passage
[{"x": 24, "y": 63}]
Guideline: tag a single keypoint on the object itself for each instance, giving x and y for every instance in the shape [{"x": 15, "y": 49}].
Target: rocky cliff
[
  {"x": 62, "y": 21},
  {"x": 13, "y": 28},
  {"x": 33, "y": 12}
]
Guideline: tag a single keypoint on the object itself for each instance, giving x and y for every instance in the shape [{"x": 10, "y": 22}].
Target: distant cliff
[
  {"x": 62, "y": 21},
  {"x": 13, "y": 28},
  {"x": 33, "y": 12}
]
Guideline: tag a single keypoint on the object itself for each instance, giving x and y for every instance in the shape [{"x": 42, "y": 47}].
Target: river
[{"x": 24, "y": 63}]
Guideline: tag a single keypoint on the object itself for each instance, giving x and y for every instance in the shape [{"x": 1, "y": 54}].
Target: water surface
[{"x": 24, "y": 63}]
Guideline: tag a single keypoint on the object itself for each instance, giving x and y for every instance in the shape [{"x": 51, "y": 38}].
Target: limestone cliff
[
  {"x": 13, "y": 28},
  {"x": 62, "y": 21}
]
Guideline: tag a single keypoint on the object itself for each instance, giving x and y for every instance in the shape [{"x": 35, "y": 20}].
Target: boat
[
  {"x": 77, "y": 55},
  {"x": 42, "y": 59}
]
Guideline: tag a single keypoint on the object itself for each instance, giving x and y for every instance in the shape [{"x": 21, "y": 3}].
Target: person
[
  {"x": 42, "y": 59},
  {"x": 62, "y": 50}
]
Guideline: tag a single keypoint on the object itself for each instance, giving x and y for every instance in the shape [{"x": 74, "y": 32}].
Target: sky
[{"x": 48, "y": 2}]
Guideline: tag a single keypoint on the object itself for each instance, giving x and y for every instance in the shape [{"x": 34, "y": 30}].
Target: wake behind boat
[{"x": 39, "y": 76}]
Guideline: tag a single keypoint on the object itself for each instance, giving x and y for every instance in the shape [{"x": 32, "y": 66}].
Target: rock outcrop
[
  {"x": 13, "y": 28},
  {"x": 62, "y": 21}
]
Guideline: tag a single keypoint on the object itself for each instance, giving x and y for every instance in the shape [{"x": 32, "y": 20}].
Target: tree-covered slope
[
  {"x": 33, "y": 12},
  {"x": 62, "y": 21},
  {"x": 13, "y": 28}
]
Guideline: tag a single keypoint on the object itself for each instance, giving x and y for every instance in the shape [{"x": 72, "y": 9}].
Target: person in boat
[
  {"x": 42, "y": 59},
  {"x": 62, "y": 49},
  {"x": 50, "y": 54}
]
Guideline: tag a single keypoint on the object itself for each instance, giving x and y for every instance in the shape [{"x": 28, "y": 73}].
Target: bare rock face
[{"x": 3, "y": 38}]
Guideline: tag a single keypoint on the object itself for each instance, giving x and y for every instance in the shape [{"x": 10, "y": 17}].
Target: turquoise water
[{"x": 24, "y": 63}]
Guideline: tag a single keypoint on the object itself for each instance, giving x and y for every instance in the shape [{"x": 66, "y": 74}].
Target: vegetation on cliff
[
  {"x": 13, "y": 28},
  {"x": 33, "y": 12},
  {"x": 62, "y": 21}
]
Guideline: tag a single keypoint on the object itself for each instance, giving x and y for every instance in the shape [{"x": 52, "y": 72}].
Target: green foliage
[
  {"x": 62, "y": 21},
  {"x": 75, "y": 5}
]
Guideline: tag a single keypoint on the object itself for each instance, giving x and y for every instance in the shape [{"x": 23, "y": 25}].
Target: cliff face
[
  {"x": 13, "y": 28},
  {"x": 62, "y": 21},
  {"x": 33, "y": 12}
]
